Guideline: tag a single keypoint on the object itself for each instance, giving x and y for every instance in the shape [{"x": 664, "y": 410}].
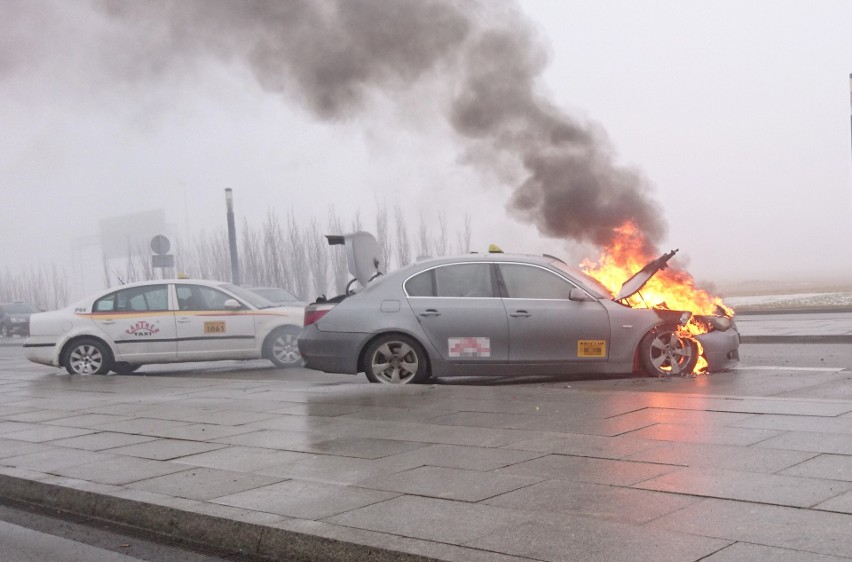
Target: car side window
[
  {"x": 135, "y": 299},
  {"x": 464, "y": 280},
  {"x": 197, "y": 297},
  {"x": 421, "y": 285},
  {"x": 530, "y": 282}
]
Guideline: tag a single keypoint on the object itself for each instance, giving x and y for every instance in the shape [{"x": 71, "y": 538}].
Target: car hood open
[
  {"x": 363, "y": 255},
  {"x": 638, "y": 280}
]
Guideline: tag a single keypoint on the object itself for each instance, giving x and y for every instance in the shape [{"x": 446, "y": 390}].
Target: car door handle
[
  {"x": 520, "y": 314},
  {"x": 107, "y": 322},
  {"x": 430, "y": 312},
  {"x": 184, "y": 319}
]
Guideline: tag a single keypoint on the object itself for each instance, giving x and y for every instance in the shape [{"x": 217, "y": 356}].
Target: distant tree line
[
  {"x": 295, "y": 255},
  {"x": 44, "y": 286}
]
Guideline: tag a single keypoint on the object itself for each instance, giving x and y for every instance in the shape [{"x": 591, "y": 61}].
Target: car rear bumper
[
  {"x": 42, "y": 351},
  {"x": 331, "y": 352},
  {"x": 721, "y": 349}
]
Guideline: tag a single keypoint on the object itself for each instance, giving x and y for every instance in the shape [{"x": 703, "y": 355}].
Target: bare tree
[
  {"x": 424, "y": 238},
  {"x": 277, "y": 268},
  {"x": 402, "y": 248},
  {"x": 298, "y": 259},
  {"x": 337, "y": 252},
  {"x": 251, "y": 264},
  {"x": 318, "y": 257},
  {"x": 441, "y": 240},
  {"x": 464, "y": 236},
  {"x": 382, "y": 235}
]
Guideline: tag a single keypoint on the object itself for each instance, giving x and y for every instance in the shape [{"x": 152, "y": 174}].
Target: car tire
[
  {"x": 125, "y": 368},
  {"x": 87, "y": 356},
  {"x": 282, "y": 347},
  {"x": 396, "y": 359},
  {"x": 663, "y": 352}
]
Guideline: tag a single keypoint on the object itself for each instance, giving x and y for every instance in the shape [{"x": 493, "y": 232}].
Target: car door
[
  {"x": 139, "y": 322},
  {"x": 460, "y": 311},
  {"x": 208, "y": 330},
  {"x": 545, "y": 326}
]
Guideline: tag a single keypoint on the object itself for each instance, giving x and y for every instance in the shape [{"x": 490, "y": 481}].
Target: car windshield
[
  {"x": 586, "y": 281},
  {"x": 19, "y": 308},
  {"x": 275, "y": 294},
  {"x": 253, "y": 299}
]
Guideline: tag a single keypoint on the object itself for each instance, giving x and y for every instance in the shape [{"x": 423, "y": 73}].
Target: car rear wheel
[
  {"x": 664, "y": 352},
  {"x": 282, "y": 347},
  {"x": 87, "y": 357},
  {"x": 396, "y": 359}
]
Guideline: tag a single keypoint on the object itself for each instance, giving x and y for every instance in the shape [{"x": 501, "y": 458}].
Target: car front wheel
[
  {"x": 87, "y": 357},
  {"x": 282, "y": 347},
  {"x": 396, "y": 359},
  {"x": 663, "y": 352}
]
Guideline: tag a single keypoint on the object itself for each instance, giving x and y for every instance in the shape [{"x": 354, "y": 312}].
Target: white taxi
[{"x": 164, "y": 321}]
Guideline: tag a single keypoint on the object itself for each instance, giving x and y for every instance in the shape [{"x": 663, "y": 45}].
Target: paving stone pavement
[{"x": 324, "y": 467}]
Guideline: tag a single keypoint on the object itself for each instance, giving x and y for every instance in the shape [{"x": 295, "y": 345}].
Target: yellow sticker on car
[
  {"x": 591, "y": 348},
  {"x": 214, "y": 327}
]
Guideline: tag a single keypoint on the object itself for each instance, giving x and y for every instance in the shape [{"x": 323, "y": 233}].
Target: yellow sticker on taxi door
[
  {"x": 591, "y": 348},
  {"x": 214, "y": 327}
]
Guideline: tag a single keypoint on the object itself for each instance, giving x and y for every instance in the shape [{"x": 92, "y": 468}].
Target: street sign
[{"x": 160, "y": 245}]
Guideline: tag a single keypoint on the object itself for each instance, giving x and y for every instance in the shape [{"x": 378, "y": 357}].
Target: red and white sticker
[{"x": 470, "y": 347}]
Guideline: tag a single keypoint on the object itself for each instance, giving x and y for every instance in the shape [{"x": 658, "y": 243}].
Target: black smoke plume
[{"x": 332, "y": 55}]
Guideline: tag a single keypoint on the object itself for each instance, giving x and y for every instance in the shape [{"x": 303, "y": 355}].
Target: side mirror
[
  {"x": 579, "y": 295},
  {"x": 233, "y": 304}
]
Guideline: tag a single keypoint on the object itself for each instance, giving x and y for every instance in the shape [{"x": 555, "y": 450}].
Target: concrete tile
[
  {"x": 842, "y": 503},
  {"x": 316, "y": 409},
  {"x": 586, "y": 426},
  {"x": 267, "y": 438},
  {"x": 832, "y": 467},
  {"x": 651, "y": 416},
  {"x": 243, "y": 459},
  {"x": 449, "y": 483},
  {"x": 612, "y": 503},
  {"x": 331, "y": 469},
  {"x": 390, "y": 413},
  {"x": 12, "y": 448},
  {"x": 36, "y": 416},
  {"x": 120, "y": 471},
  {"x": 578, "y": 538},
  {"x": 482, "y": 419},
  {"x": 365, "y": 448},
  {"x": 202, "y": 431},
  {"x": 451, "y": 435},
  {"x": 836, "y": 443},
  {"x": 101, "y": 441},
  {"x": 443, "y": 521},
  {"x": 588, "y": 469},
  {"x": 141, "y": 426},
  {"x": 165, "y": 449},
  {"x": 55, "y": 458},
  {"x": 306, "y": 500},
  {"x": 201, "y": 483},
  {"x": 731, "y": 457},
  {"x": 46, "y": 433},
  {"x": 747, "y": 486},
  {"x": 302, "y": 424},
  {"x": 458, "y": 456},
  {"x": 227, "y": 417},
  {"x": 88, "y": 421},
  {"x": 704, "y": 434},
  {"x": 782, "y": 527},
  {"x": 740, "y": 551},
  {"x": 819, "y": 424},
  {"x": 583, "y": 445}
]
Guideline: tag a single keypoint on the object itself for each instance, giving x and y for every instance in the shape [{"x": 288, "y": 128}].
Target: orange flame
[{"x": 670, "y": 288}]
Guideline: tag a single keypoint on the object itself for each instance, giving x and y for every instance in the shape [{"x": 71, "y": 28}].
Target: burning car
[{"x": 502, "y": 314}]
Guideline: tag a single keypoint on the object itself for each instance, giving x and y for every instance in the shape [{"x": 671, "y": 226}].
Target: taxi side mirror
[{"x": 233, "y": 304}]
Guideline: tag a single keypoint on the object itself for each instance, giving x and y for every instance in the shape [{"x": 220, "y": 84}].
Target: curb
[
  {"x": 237, "y": 537},
  {"x": 830, "y": 338}
]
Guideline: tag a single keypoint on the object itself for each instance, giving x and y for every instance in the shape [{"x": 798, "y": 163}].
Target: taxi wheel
[
  {"x": 396, "y": 359},
  {"x": 663, "y": 353},
  {"x": 282, "y": 348},
  {"x": 125, "y": 368},
  {"x": 87, "y": 357}
]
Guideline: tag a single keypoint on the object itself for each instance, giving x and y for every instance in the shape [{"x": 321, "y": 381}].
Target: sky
[{"x": 725, "y": 125}]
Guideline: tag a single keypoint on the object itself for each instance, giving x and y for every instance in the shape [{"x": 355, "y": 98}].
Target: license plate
[{"x": 214, "y": 327}]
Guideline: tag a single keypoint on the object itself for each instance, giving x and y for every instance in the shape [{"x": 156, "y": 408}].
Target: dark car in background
[{"x": 15, "y": 318}]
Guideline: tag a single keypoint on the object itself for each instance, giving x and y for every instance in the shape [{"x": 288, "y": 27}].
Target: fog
[{"x": 724, "y": 127}]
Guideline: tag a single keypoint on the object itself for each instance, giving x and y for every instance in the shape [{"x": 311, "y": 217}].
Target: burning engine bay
[{"x": 696, "y": 346}]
